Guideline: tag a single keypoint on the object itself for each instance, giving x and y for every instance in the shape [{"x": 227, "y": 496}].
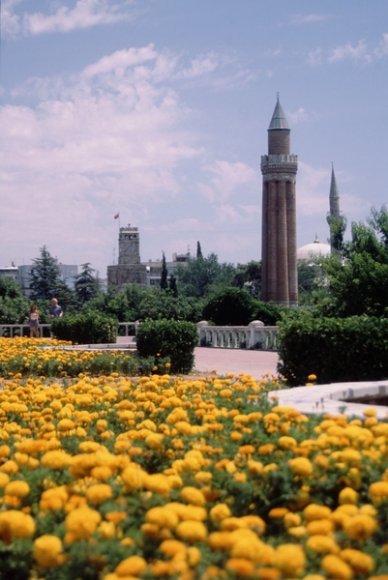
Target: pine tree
[
  {"x": 164, "y": 275},
  {"x": 199, "y": 251},
  {"x": 86, "y": 285},
  {"x": 45, "y": 276}
]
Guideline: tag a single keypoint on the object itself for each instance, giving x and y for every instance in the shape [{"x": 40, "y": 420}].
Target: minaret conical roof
[
  {"x": 278, "y": 120},
  {"x": 333, "y": 184}
]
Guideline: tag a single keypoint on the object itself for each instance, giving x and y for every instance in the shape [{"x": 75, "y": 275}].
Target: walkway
[{"x": 237, "y": 361}]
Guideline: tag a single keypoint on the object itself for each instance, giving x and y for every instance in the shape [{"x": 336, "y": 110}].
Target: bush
[
  {"x": 89, "y": 328},
  {"x": 334, "y": 349},
  {"x": 232, "y": 306},
  {"x": 174, "y": 339}
]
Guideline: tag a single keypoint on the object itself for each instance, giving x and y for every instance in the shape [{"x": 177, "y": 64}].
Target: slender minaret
[
  {"x": 279, "y": 167},
  {"x": 337, "y": 222}
]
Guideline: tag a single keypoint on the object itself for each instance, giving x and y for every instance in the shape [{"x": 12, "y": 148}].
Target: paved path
[{"x": 237, "y": 361}]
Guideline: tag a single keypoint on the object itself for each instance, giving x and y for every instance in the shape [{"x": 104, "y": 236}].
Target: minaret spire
[{"x": 279, "y": 167}]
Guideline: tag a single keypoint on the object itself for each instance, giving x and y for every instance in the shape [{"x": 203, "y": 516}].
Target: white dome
[{"x": 314, "y": 250}]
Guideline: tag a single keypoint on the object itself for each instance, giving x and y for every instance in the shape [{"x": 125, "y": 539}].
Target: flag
[{"x": 116, "y": 217}]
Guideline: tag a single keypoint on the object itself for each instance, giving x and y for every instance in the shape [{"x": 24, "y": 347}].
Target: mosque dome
[{"x": 314, "y": 250}]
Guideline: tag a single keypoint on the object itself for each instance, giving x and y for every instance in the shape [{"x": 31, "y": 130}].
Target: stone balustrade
[{"x": 255, "y": 336}]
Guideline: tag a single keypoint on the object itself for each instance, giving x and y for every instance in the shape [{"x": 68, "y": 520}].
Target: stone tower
[
  {"x": 129, "y": 270},
  {"x": 279, "y": 167}
]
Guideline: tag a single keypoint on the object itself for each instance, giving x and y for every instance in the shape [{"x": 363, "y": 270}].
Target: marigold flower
[
  {"x": 290, "y": 559},
  {"x": 132, "y": 566},
  {"x": 336, "y": 567},
  {"x": 191, "y": 531},
  {"x": 81, "y": 523},
  {"x": 322, "y": 544},
  {"x": 378, "y": 491},
  {"x": 47, "y": 551},
  {"x": 300, "y": 466},
  {"x": 18, "y": 488},
  {"x": 162, "y": 517},
  {"x": 316, "y": 511},
  {"x": 193, "y": 496},
  {"x": 99, "y": 493},
  {"x": 320, "y": 527},
  {"x": 360, "y": 562},
  {"x": 57, "y": 459},
  {"x": 360, "y": 527},
  {"x": 15, "y": 524},
  {"x": 241, "y": 567},
  {"x": 219, "y": 512}
]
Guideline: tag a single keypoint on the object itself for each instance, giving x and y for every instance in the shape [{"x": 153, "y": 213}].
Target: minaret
[
  {"x": 279, "y": 167},
  {"x": 337, "y": 223},
  {"x": 334, "y": 197}
]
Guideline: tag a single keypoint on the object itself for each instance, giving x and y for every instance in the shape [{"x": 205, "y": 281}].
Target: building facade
[{"x": 279, "y": 259}]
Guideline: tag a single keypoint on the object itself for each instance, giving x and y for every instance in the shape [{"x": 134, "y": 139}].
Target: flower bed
[{"x": 162, "y": 477}]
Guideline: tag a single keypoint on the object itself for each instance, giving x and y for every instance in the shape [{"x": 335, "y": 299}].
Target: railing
[
  {"x": 255, "y": 336},
  {"x": 14, "y": 330}
]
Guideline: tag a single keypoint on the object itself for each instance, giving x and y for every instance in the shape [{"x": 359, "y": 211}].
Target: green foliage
[
  {"x": 45, "y": 276},
  {"x": 334, "y": 349},
  {"x": 358, "y": 283},
  {"x": 270, "y": 314},
  {"x": 86, "y": 285},
  {"x": 231, "y": 306},
  {"x": 164, "y": 274},
  {"x": 14, "y": 306},
  {"x": 201, "y": 276},
  {"x": 89, "y": 328},
  {"x": 168, "y": 338},
  {"x": 248, "y": 276}
]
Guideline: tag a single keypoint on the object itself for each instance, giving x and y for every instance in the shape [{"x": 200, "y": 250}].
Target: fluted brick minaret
[{"x": 279, "y": 167}]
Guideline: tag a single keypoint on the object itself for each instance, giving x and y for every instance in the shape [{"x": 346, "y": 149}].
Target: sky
[{"x": 158, "y": 110}]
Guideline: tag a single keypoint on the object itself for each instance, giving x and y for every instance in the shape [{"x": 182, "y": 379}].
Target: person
[
  {"x": 55, "y": 310},
  {"x": 33, "y": 321}
]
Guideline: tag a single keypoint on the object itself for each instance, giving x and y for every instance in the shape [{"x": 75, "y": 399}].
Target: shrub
[
  {"x": 334, "y": 349},
  {"x": 232, "y": 306},
  {"x": 89, "y": 328},
  {"x": 174, "y": 339}
]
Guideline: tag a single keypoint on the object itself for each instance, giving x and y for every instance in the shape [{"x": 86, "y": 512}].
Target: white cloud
[
  {"x": 314, "y": 57},
  {"x": 298, "y": 116},
  {"x": 59, "y": 18},
  {"x": 355, "y": 52},
  {"x": 201, "y": 65},
  {"x": 311, "y": 18},
  {"x": 226, "y": 179}
]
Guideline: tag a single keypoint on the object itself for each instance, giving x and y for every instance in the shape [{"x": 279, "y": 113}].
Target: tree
[
  {"x": 86, "y": 285},
  {"x": 172, "y": 285},
  {"x": 14, "y": 306},
  {"x": 199, "y": 251},
  {"x": 358, "y": 283},
  {"x": 200, "y": 277},
  {"x": 164, "y": 275},
  {"x": 248, "y": 276},
  {"x": 231, "y": 306},
  {"x": 337, "y": 226},
  {"x": 45, "y": 276}
]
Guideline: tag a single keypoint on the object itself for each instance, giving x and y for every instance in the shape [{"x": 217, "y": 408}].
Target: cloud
[
  {"x": 226, "y": 179},
  {"x": 201, "y": 65},
  {"x": 312, "y": 18},
  {"x": 355, "y": 52},
  {"x": 82, "y": 14},
  {"x": 298, "y": 116}
]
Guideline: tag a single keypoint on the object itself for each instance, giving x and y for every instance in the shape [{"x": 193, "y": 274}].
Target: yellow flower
[
  {"x": 378, "y": 491},
  {"x": 348, "y": 495},
  {"x": 320, "y": 527},
  {"x": 301, "y": 466},
  {"x": 56, "y": 459},
  {"x": 193, "y": 496},
  {"x": 132, "y": 566},
  {"x": 162, "y": 517},
  {"x": 360, "y": 527},
  {"x": 15, "y": 524},
  {"x": 361, "y": 563},
  {"x": 336, "y": 567},
  {"x": 99, "y": 493},
  {"x": 219, "y": 512},
  {"x": 290, "y": 560},
  {"x": 81, "y": 523},
  {"x": 47, "y": 551},
  {"x": 133, "y": 477},
  {"x": 316, "y": 511},
  {"x": 191, "y": 531},
  {"x": 240, "y": 567},
  {"x": 18, "y": 488},
  {"x": 322, "y": 544}
]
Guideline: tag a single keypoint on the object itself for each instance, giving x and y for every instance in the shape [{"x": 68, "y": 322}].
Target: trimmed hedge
[
  {"x": 175, "y": 339},
  {"x": 334, "y": 349},
  {"x": 89, "y": 328}
]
